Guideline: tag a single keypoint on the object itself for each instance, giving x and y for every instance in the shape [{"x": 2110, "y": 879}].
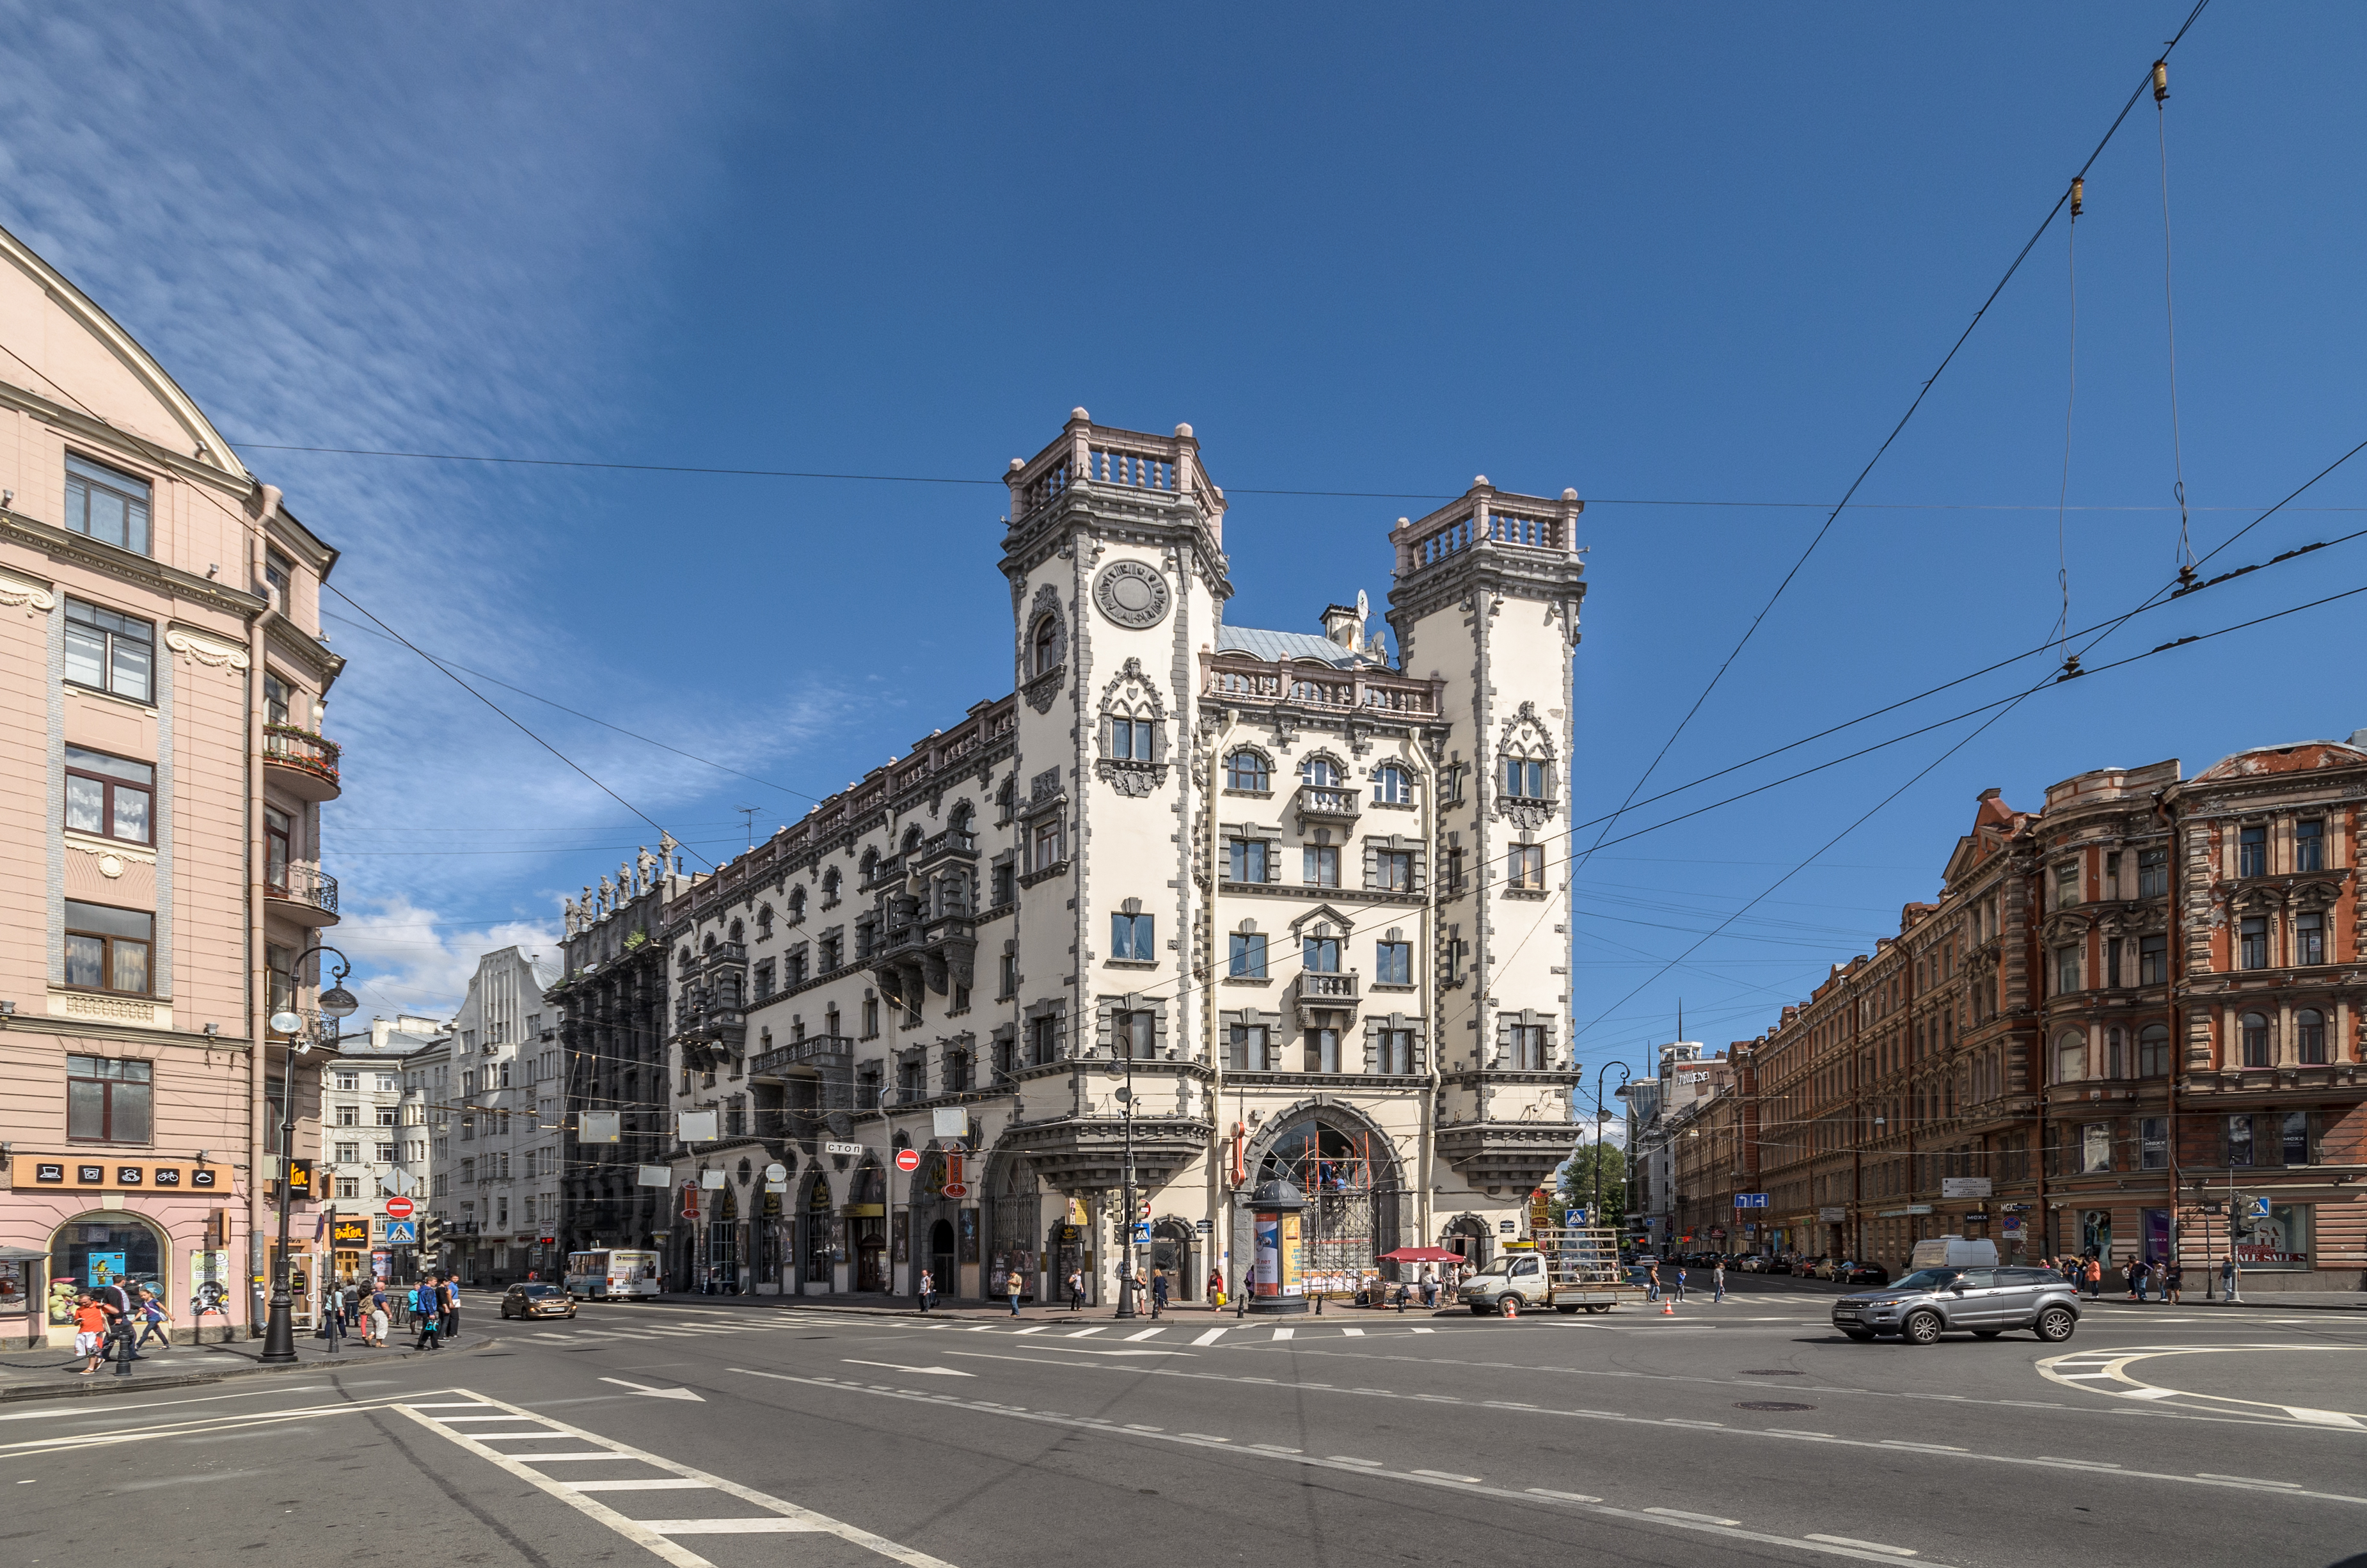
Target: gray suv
[{"x": 1985, "y": 1303}]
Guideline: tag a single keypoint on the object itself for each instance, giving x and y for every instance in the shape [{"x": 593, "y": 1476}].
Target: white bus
[{"x": 611, "y": 1273}]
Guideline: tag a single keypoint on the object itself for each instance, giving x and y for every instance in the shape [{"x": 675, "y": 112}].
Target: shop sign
[
  {"x": 1963, "y": 1186},
  {"x": 2278, "y": 1239},
  {"x": 852, "y": 1150},
  {"x": 350, "y": 1235},
  {"x": 87, "y": 1175},
  {"x": 1831, "y": 1215}
]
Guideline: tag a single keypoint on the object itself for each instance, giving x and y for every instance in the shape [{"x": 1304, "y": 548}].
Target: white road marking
[
  {"x": 657, "y": 1393},
  {"x": 1865, "y": 1545},
  {"x": 1037, "y": 1329},
  {"x": 1284, "y": 1333},
  {"x": 1565, "y": 1496},
  {"x": 757, "y": 1526},
  {"x": 49, "y": 1413},
  {"x": 1469, "y": 1480},
  {"x": 1682, "y": 1514},
  {"x": 1146, "y": 1333},
  {"x": 1425, "y": 1331},
  {"x": 1345, "y": 1458},
  {"x": 646, "y": 1483},
  {"x": 1210, "y": 1338},
  {"x": 899, "y": 1366},
  {"x": 1081, "y": 1334},
  {"x": 2247, "y": 1479},
  {"x": 1353, "y": 1333},
  {"x": 653, "y": 1534}
]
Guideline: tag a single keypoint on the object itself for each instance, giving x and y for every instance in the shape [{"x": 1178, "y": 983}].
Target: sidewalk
[
  {"x": 876, "y": 1304},
  {"x": 55, "y": 1372}
]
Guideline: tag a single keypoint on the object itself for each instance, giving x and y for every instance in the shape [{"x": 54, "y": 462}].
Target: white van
[{"x": 1953, "y": 1251}]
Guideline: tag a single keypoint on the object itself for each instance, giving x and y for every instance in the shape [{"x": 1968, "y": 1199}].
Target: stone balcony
[
  {"x": 1516, "y": 1155},
  {"x": 1315, "y": 994},
  {"x": 1075, "y": 1153},
  {"x": 1328, "y": 805},
  {"x": 300, "y": 763}
]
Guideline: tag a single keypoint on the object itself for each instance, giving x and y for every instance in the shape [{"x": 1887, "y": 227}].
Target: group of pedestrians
[
  {"x": 1672, "y": 1288},
  {"x": 2143, "y": 1278},
  {"x": 435, "y": 1311},
  {"x": 126, "y": 1317}
]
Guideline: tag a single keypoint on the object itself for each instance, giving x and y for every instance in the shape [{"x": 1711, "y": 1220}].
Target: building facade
[
  {"x": 165, "y": 675},
  {"x": 495, "y": 1124},
  {"x": 1196, "y": 903},
  {"x": 613, "y": 1026},
  {"x": 2131, "y": 1026}
]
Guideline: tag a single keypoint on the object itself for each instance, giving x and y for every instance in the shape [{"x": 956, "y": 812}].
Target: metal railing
[{"x": 316, "y": 755}]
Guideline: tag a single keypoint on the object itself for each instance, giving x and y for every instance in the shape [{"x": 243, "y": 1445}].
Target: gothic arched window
[
  {"x": 797, "y": 906},
  {"x": 1043, "y": 645}
]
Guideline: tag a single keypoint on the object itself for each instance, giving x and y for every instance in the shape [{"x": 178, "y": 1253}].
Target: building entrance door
[{"x": 941, "y": 1257}]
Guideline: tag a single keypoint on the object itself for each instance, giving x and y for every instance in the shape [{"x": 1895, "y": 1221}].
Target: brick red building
[{"x": 2130, "y": 1015}]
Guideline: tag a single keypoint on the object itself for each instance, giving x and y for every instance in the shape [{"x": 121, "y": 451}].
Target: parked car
[
  {"x": 1779, "y": 1266},
  {"x": 538, "y": 1301},
  {"x": 1983, "y": 1301},
  {"x": 1750, "y": 1263},
  {"x": 1866, "y": 1274}
]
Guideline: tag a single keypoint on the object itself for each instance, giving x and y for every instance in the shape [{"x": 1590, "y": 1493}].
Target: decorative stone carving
[
  {"x": 197, "y": 648},
  {"x": 26, "y": 594},
  {"x": 1131, "y": 595}
]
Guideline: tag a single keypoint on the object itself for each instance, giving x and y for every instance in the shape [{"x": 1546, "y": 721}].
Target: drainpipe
[
  {"x": 2175, "y": 958},
  {"x": 1220, "y": 1230},
  {"x": 258, "y": 999},
  {"x": 1426, "y": 1129}
]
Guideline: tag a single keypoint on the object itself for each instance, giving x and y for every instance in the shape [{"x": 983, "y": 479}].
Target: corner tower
[{"x": 1486, "y": 601}]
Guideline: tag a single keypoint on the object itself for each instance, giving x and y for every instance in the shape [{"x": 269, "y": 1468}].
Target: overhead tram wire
[
  {"x": 2070, "y": 401},
  {"x": 1921, "y": 392},
  {"x": 2186, "y": 561}
]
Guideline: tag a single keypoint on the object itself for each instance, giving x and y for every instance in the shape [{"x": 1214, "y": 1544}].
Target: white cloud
[{"x": 409, "y": 959}]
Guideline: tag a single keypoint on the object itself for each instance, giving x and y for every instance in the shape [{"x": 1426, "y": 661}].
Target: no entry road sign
[
  {"x": 908, "y": 1160},
  {"x": 397, "y": 1207}
]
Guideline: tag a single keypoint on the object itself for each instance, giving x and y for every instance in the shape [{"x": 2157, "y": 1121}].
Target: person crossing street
[{"x": 427, "y": 1314}]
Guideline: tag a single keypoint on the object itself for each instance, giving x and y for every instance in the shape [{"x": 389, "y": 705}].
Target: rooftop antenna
[{"x": 749, "y": 812}]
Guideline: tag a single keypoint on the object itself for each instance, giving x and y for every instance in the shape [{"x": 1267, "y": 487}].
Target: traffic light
[{"x": 431, "y": 1236}]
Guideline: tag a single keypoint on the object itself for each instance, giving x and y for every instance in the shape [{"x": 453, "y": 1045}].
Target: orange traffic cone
[{"x": 1668, "y": 1308}]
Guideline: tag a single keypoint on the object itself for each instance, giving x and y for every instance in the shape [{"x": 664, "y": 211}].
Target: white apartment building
[
  {"x": 1224, "y": 905},
  {"x": 495, "y": 1122}
]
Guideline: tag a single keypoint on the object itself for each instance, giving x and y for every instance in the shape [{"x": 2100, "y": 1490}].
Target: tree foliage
[{"x": 1578, "y": 1177}]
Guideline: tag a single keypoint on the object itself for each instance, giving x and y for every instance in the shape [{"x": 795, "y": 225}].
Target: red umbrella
[{"x": 1421, "y": 1255}]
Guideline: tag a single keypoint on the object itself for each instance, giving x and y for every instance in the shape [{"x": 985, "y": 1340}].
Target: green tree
[{"x": 1577, "y": 1182}]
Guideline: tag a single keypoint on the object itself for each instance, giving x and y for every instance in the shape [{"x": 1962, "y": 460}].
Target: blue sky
[{"x": 1664, "y": 257}]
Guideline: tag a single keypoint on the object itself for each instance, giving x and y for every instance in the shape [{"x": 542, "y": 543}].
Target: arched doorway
[
  {"x": 1349, "y": 1173},
  {"x": 1468, "y": 1235},
  {"x": 103, "y": 1249},
  {"x": 941, "y": 1256},
  {"x": 1016, "y": 1221},
  {"x": 816, "y": 1218},
  {"x": 867, "y": 1211},
  {"x": 723, "y": 1242},
  {"x": 1173, "y": 1251}
]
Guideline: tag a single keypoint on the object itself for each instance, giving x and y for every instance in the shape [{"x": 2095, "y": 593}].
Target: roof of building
[{"x": 1280, "y": 645}]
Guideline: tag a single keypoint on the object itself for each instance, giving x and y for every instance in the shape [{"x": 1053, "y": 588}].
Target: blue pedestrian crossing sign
[{"x": 402, "y": 1232}]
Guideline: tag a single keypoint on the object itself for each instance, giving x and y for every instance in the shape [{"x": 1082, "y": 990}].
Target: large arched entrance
[
  {"x": 1350, "y": 1177},
  {"x": 1467, "y": 1234},
  {"x": 815, "y": 1218},
  {"x": 103, "y": 1249},
  {"x": 866, "y": 1214},
  {"x": 1175, "y": 1252}
]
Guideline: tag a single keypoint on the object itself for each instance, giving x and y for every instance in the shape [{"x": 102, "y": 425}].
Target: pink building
[{"x": 162, "y": 774}]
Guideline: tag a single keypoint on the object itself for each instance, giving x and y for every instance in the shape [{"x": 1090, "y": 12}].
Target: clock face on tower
[{"x": 1131, "y": 593}]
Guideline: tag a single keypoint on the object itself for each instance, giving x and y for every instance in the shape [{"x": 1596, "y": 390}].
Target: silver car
[{"x": 1985, "y": 1303}]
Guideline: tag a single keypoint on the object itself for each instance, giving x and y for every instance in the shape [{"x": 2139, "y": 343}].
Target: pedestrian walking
[
  {"x": 1429, "y": 1287},
  {"x": 2095, "y": 1272},
  {"x": 1717, "y": 1280},
  {"x": 1076, "y": 1290},
  {"x": 1010, "y": 1282},
  {"x": 1158, "y": 1292},
  {"x": 2132, "y": 1272},
  {"x": 1216, "y": 1292},
  {"x": 153, "y": 1319},
  {"x": 2173, "y": 1280},
  {"x": 2231, "y": 1278},
  {"x": 378, "y": 1322},
  {"x": 923, "y": 1289},
  {"x": 90, "y": 1317},
  {"x": 1652, "y": 1282},
  {"x": 1681, "y": 1282},
  {"x": 448, "y": 1302},
  {"x": 427, "y": 1314}
]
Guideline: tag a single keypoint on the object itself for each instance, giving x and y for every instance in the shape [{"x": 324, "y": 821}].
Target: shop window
[
  {"x": 107, "y": 1100},
  {"x": 2153, "y": 1143},
  {"x": 106, "y": 949},
  {"x": 2239, "y": 1141},
  {"x": 111, "y": 797},
  {"x": 2295, "y": 1138},
  {"x": 2095, "y": 1147},
  {"x": 114, "y": 1251}
]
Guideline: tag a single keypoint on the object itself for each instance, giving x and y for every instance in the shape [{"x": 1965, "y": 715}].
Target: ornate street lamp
[
  {"x": 1618, "y": 1094},
  {"x": 279, "y": 1331}
]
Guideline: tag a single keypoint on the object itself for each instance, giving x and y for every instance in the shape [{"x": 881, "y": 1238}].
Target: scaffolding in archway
[{"x": 1352, "y": 1205}]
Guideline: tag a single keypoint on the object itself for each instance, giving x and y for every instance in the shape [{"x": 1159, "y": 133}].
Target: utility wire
[{"x": 2186, "y": 561}]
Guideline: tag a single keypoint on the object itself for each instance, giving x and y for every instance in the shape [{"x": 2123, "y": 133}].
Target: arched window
[
  {"x": 685, "y": 962},
  {"x": 2153, "y": 1051},
  {"x": 108, "y": 1249},
  {"x": 765, "y": 922},
  {"x": 2255, "y": 1030},
  {"x": 912, "y": 839},
  {"x": 709, "y": 945},
  {"x": 962, "y": 817},
  {"x": 2115, "y": 1066},
  {"x": 2309, "y": 1036},
  {"x": 2070, "y": 1057},
  {"x": 738, "y": 932},
  {"x": 1043, "y": 645},
  {"x": 797, "y": 905},
  {"x": 869, "y": 865},
  {"x": 1525, "y": 778},
  {"x": 830, "y": 881},
  {"x": 1320, "y": 771},
  {"x": 1392, "y": 786},
  {"x": 1246, "y": 770}
]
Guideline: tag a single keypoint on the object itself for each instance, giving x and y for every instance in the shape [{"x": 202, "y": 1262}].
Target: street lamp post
[
  {"x": 1618, "y": 1094},
  {"x": 279, "y": 1330},
  {"x": 1127, "y": 1260}
]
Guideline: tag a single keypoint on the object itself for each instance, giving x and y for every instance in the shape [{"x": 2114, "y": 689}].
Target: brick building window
[
  {"x": 2252, "y": 943},
  {"x": 2153, "y": 961},
  {"x": 2239, "y": 1141},
  {"x": 2309, "y": 939},
  {"x": 2067, "y": 970},
  {"x": 2153, "y": 873},
  {"x": 2310, "y": 846},
  {"x": 2153, "y": 1051},
  {"x": 2254, "y": 1030},
  {"x": 2252, "y": 852},
  {"x": 2153, "y": 1144},
  {"x": 2309, "y": 1035}
]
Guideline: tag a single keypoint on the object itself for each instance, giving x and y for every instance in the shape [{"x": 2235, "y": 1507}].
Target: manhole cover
[
  {"x": 1769, "y": 1372},
  {"x": 1771, "y": 1404}
]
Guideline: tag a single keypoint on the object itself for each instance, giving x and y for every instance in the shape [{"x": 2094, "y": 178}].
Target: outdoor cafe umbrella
[{"x": 1423, "y": 1255}]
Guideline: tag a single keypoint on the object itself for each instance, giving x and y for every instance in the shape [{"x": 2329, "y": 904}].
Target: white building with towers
[{"x": 1251, "y": 903}]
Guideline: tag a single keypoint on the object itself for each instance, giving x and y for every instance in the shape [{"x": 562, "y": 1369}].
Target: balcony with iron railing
[
  {"x": 814, "y": 1055},
  {"x": 305, "y": 895},
  {"x": 302, "y": 763}
]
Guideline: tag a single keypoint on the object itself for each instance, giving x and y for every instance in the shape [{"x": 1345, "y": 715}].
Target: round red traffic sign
[
  {"x": 907, "y": 1159},
  {"x": 397, "y": 1207},
  {"x": 956, "y": 1189}
]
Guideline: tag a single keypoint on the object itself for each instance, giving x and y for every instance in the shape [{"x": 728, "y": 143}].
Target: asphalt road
[{"x": 1746, "y": 1433}]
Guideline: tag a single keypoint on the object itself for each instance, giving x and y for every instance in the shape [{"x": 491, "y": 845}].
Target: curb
[{"x": 111, "y": 1385}]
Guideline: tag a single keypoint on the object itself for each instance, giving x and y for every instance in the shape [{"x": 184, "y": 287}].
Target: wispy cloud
[{"x": 349, "y": 227}]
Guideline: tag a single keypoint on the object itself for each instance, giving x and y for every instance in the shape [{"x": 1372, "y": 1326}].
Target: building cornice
[{"x": 141, "y": 570}]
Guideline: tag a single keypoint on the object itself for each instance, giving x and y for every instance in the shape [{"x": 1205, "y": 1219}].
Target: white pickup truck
[{"x": 1565, "y": 1267}]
